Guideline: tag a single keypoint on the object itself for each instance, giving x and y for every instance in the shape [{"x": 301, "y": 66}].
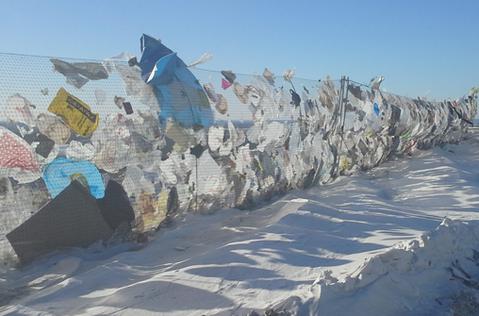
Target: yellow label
[{"x": 74, "y": 112}]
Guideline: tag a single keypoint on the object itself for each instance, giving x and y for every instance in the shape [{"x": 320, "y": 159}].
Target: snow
[
  {"x": 351, "y": 247},
  {"x": 410, "y": 279}
]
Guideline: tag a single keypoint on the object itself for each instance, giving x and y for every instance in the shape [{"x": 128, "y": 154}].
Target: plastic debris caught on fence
[{"x": 175, "y": 139}]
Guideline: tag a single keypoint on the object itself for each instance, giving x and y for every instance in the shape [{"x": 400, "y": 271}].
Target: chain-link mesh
[{"x": 87, "y": 148}]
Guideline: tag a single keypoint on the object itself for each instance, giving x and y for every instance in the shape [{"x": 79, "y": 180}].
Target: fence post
[
  {"x": 343, "y": 99},
  {"x": 196, "y": 184}
]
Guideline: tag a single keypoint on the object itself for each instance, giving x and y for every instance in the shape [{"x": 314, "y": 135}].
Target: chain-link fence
[{"x": 88, "y": 150}]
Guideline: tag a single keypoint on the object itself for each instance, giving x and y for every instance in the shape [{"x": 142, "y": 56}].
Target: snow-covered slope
[
  {"x": 436, "y": 274},
  {"x": 308, "y": 252}
]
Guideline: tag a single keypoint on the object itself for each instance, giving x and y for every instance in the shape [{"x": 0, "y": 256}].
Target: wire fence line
[{"x": 87, "y": 143}]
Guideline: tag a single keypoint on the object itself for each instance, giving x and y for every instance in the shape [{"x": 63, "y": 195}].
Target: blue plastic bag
[
  {"x": 62, "y": 171},
  {"x": 178, "y": 91}
]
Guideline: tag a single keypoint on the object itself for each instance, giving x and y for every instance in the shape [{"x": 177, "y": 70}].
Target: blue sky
[{"x": 422, "y": 47}]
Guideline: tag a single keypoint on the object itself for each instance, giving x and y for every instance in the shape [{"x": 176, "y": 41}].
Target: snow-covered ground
[{"x": 322, "y": 251}]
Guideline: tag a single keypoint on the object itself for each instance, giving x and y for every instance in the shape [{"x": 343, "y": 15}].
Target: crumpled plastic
[
  {"x": 273, "y": 135},
  {"x": 220, "y": 102},
  {"x": 262, "y": 136},
  {"x": 225, "y": 84},
  {"x": 376, "y": 82},
  {"x": 111, "y": 142},
  {"x": 135, "y": 86},
  {"x": 181, "y": 138},
  {"x": 135, "y": 182},
  {"x": 179, "y": 93},
  {"x": 229, "y": 76},
  {"x": 211, "y": 180},
  {"x": 53, "y": 127},
  {"x": 269, "y": 76},
  {"x": 288, "y": 74},
  {"x": 19, "y": 109},
  {"x": 78, "y": 74},
  {"x": 204, "y": 58},
  {"x": 218, "y": 140},
  {"x": 78, "y": 151},
  {"x": 60, "y": 173}
]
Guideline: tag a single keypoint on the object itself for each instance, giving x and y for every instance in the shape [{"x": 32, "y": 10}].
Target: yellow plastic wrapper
[{"x": 74, "y": 112}]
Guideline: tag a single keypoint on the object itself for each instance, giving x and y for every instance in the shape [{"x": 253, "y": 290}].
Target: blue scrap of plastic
[
  {"x": 151, "y": 51},
  {"x": 179, "y": 93},
  {"x": 59, "y": 173},
  {"x": 376, "y": 108}
]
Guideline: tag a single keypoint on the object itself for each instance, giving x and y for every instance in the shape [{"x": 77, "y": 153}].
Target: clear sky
[{"x": 422, "y": 47}]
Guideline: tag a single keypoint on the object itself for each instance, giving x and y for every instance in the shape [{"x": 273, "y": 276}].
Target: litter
[
  {"x": 376, "y": 82},
  {"x": 376, "y": 109},
  {"x": 74, "y": 112},
  {"x": 54, "y": 128},
  {"x": 179, "y": 93},
  {"x": 295, "y": 98},
  {"x": 119, "y": 102},
  {"x": 225, "y": 84},
  {"x": 133, "y": 62},
  {"x": 18, "y": 109},
  {"x": 229, "y": 75},
  {"x": 210, "y": 92},
  {"x": 135, "y": 86},
  {"x": 59, "y": 173},
  {"x": 72, "y": 219},
  {"x": 221, "y": 104},
  {"x": 79, "y": 151},
  {"x": 15, "y": 153},
  {"x": 205, "y": 57},
  {"x": 43, "y": 144},
  {"x": 288, "y": 75},
  {"x": 151, "y": 51},
  {"x": 165, "y": 142},
  {"x": 128, "y": 108},
  {"x": 269, "y": 76},
  {"x": 115, "y": 206},
  {"x": 78, "y": 74}
]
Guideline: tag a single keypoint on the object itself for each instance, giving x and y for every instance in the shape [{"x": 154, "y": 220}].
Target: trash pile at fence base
[{"x": 141, "y": 141}]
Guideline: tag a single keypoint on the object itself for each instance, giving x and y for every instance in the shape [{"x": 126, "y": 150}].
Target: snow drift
[{"x": 435, "y": 274}]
